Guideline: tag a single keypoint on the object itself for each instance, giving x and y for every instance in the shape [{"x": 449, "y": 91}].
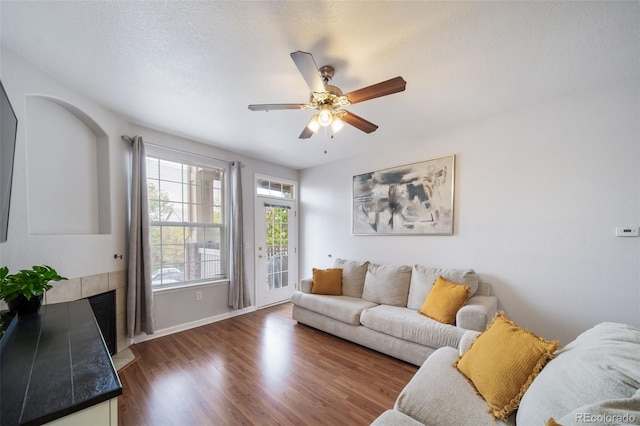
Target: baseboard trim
[
  {"x": 186, "y": 326},
  {"x": 274, "y": 304}
]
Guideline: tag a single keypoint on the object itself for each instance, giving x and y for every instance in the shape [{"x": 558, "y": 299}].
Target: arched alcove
[{"x": 67, "y": 170}]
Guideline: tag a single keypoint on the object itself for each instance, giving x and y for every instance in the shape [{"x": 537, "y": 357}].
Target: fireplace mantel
[{"x": 54, "y": 364}]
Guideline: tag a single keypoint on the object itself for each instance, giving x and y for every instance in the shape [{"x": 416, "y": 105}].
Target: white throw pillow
[
  {"x": 387, "y": 284},
  {"x": 353, "y": 274}
]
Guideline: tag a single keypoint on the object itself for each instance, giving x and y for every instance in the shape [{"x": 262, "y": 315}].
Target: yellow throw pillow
[
  {"x": 502, "y": 362},
  {"x": 445, "y": 300},
  {"x": 327, "y": 281}
]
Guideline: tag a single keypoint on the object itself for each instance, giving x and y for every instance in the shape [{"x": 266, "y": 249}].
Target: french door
[{"x": 276, "y": 250}]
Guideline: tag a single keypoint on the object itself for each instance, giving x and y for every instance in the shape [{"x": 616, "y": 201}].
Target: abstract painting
[{"x": 416, "y": 199}]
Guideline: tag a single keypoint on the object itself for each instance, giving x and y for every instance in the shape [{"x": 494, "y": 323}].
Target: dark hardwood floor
[{"x": 262, "y": 368}]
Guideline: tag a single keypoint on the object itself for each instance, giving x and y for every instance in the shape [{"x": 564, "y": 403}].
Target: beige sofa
[
  {"x": 379, "y": 308},
  {"x": 593, "y": 380}
]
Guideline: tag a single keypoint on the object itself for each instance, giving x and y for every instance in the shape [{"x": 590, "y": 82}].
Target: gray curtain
[
  {"x": 238, "y": 289},
  {"x": 139, "y": 293}
]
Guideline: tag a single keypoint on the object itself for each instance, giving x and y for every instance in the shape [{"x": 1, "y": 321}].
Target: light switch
[{"x": 626, "y": 231}]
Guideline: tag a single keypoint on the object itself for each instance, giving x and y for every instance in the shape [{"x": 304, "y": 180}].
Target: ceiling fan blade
[
  {"x": 385, "y": 88},
  {"x": 269, "y": 107},
  {"x": 306, "y": 133},
  {"x": 359, "y": 122},
  {"x": 309, "y": 70}
]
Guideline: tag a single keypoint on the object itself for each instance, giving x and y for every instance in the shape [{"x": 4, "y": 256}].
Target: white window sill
[{"x": 175, "y": 288}]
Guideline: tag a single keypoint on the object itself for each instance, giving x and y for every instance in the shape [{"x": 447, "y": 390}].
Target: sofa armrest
[
  {"x": 395, "y": 418},
  {"x": 484, "y": 289},
  {"x": 305, "y": 285},
  {"x": 466, "y": 340},
  {"x": 477, "y": 313},
  {"x": 438, "y": 394}
]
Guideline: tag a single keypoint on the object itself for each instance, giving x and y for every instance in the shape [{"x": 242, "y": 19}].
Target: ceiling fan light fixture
[
  {"x": 337, "y": 125},
  {"x": 314, "y": 124},
  {"x": 325, "y": 116}
]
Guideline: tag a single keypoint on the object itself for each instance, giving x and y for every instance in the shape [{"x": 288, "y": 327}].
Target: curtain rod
[{"x": 130, "y": 139}]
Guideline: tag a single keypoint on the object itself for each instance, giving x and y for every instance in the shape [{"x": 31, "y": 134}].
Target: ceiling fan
[{"x": 329, "y": 100}]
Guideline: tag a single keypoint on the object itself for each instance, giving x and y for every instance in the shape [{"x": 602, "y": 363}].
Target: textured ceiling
[{"x": 191, "y": 68}]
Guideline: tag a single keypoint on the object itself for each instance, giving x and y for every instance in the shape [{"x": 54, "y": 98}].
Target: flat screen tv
[{"x": 8, "y": 129}]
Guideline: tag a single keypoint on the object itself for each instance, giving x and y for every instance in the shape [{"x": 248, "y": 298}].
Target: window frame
[{"x": 173, "y": 155}]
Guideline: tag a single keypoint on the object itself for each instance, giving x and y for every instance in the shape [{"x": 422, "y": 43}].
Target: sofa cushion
[
  {"x": 439, "y": 395},
  {"x": 603, "y": 363},
  {"x": 408, "y": 325},
  {"x": 423, "y": 277},
  {"x": 353, "y": 273},
  {"x": 342, "y": 308},
  {"x": 444, "y": 301},
  {"x": 503, "y": 362},
  {"x": 387, "y": 284},
  {"x": 327, "y": 281}
]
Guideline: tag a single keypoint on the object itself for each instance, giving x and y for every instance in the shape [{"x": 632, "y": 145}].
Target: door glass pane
[
  {"x": 262, "y": 187},
  {"x": 277, "y": 247},
  {"x": 287, "y": 191},
  {"x": 275, "y": 189}
]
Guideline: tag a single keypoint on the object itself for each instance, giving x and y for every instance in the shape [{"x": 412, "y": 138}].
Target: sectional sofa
[
  {"x": 378, "y": 308},
  {"x": 593, "y": 380}
]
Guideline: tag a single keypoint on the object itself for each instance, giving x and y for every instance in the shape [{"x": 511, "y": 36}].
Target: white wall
[
  {"x": 71, "y": 254},
  {"x": 538, "y": 195},
  {"x": 65, "y": 198}
]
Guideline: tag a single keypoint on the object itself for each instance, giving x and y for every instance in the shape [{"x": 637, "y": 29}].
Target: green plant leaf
[{"x": 27, "y": 282}]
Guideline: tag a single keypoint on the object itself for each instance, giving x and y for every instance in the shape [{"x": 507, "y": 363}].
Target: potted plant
[{"x": 24, "y": 290}]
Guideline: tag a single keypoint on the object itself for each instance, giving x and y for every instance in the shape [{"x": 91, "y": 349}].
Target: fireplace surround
[
  {"x": 94, "y": 285},
  {"x": 104, "y": 309}
]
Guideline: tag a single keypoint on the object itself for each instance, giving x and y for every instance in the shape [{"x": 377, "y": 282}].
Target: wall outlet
[
  {"x": 626, "y": 231},
  {"x": 198, "y": 295}
]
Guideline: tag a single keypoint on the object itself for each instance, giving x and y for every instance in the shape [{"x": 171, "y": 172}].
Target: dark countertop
[{"x": 53, "y": 364}]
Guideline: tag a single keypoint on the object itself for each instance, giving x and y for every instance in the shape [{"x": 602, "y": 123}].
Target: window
[
  {"x": 270, "y": 188},
  {"x": 188, "y": 222}
]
